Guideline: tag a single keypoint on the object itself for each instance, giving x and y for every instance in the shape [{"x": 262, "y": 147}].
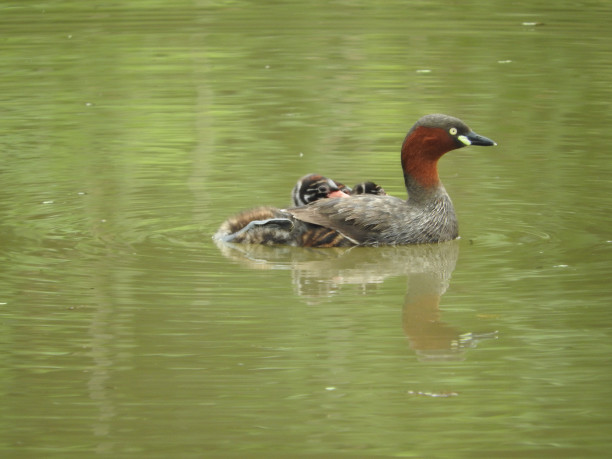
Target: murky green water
[{"x": 130, "y": 131}]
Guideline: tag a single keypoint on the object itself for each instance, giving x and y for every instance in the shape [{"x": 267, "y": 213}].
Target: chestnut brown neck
[{"x": 421, "y": 150}]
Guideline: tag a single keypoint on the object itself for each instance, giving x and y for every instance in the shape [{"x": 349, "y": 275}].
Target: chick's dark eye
[{"x": 323, "y": 189}]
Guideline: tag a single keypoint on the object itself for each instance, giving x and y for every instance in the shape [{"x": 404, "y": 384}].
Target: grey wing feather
[{"x": 361, "y": 218}]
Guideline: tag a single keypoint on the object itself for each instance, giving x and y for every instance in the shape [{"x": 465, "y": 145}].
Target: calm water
[{"x": 131, "y": 132}]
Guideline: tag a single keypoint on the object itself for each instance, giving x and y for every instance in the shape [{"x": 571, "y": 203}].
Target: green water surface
[{"x": 131, "y": 130}]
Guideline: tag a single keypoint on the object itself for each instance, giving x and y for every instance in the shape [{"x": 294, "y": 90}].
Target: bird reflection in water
[
  {"x": 431, "y": 338},
  {"x": 320, "y": 273}
]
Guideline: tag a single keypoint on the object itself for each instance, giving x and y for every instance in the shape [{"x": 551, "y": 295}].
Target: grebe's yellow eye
[{"x": 453, "y": 131}]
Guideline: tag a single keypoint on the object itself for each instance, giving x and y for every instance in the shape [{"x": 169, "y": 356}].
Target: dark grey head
[{"x": 461, "y": 134}]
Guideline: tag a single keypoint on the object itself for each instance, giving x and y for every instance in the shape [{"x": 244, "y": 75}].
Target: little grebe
[{"x": 427, "y": 215}]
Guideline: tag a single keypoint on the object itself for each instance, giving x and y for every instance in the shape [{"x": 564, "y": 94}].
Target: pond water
[{"x": 131, "y": 130}]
